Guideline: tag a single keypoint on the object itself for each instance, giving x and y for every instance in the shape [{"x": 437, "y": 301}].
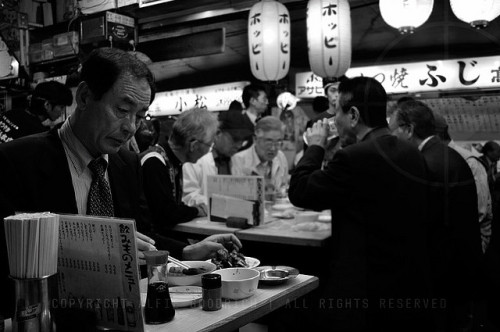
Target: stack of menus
[
  {"x": 236, "y": 196},
  {"x": 98, "y": 270}
]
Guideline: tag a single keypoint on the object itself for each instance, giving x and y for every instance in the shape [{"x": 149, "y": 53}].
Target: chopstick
[{"x": 178, "y": 262}]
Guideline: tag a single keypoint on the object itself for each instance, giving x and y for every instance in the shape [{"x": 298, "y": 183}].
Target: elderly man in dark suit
[
  {"x": 54, "y": 171},
  {"x": 377, "y": 200},
  {"x": 454, "y": 236}
]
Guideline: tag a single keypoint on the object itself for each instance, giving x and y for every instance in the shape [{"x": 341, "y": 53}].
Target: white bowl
[
  {"x": 179, "y": 279},
  {"x": 238, "y": 283}
]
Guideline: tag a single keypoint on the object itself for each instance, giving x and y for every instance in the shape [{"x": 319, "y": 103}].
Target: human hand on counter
[
  {"x": 143, "y": 243},
  {"x": 317, "y": 134},
  {"x": 208, "y": 247},
  {"x": 202, "y": 210}
]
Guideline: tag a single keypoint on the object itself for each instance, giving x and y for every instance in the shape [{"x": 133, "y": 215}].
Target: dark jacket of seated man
[{"x": 35, "y": 177}]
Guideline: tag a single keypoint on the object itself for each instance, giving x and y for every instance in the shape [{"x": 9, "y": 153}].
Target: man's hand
[
  {"x": 208, "y": 247},
  {"x": 202, "y": 210},
  {"x": 143, "y": 243},
  {"x": 317, "y": 134}
]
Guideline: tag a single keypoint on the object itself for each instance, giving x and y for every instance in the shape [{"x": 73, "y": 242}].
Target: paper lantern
[
  {"x": 269, "y": 40},
  {"x": 478, "y": 13},
  {"x": 329, "y": 37},
  {"x": 406, "y": 15}
]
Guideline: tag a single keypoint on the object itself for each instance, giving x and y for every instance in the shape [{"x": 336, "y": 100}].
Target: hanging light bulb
[
  {"x": 329, "y": 37},
  {"x": 269, "y": 40},
  {"x": 406, "y": 15},
  {"x": 478, "y": 13}
]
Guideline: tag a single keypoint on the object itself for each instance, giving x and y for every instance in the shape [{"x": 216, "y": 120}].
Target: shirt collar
[
  {"x": 251, "y": 116},
  {"x": 79, "y": 155},
  {"x": 421, "y": 145},
  {"x": 172, "y": 158}
]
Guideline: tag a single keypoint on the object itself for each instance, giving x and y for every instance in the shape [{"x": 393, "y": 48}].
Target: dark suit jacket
[
  {"x": 35, "y": 177},
  {"x": 455, "y": 241},
  {"x": 375, "y": 191}
]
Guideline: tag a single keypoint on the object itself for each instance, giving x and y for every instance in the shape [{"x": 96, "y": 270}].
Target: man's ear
[
  {"x": 354, "y": 116},
  {"x": 192, "y": 145},
  {"x": 83, "y": 95},
  {"x": 411, "y": 130}
]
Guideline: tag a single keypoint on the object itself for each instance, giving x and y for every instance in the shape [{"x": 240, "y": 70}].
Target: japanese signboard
[
  {"x": 213, "y": 98},
  {"x": 438, "y": 75},
  {"x": 98, "y": 270}
]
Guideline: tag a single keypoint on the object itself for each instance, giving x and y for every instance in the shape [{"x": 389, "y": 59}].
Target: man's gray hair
[
  {"x": 269, "y": 123},
  {"x": 193, "y": 124}
]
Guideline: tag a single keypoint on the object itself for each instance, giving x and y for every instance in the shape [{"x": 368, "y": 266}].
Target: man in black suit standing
[
  {"x": 454, "y": 235},
  {"x": 53, "y": 171},
  {"x": 377, "y": 200}
]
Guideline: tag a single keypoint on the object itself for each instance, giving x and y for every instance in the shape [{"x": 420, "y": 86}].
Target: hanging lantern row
[
  {"x": 329, "y": 37},
  {"x": 407, "y": 15},
  {"x": 328, "y": 34},
  {"x": 329, "y": 31},
  {"x": 269, "y": 40}
]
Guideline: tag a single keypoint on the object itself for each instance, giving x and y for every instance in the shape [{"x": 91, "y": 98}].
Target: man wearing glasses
[
  {"x": 193, "y": 136},
  {"x": 264, "y": 157}
]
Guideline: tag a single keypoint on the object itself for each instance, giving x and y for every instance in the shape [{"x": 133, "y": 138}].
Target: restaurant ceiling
[{"x": 443, "y": 36}]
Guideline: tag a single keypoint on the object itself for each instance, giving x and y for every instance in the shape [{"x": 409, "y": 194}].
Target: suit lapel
[{"x": 57, "y": 174}]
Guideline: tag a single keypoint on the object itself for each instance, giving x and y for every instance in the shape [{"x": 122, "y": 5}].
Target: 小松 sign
[
  {"x": 213, "y": 98},
  {"x": 439, "y": 75}
]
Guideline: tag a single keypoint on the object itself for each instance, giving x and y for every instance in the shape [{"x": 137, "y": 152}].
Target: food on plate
[
  {"x": 188, "y": 272},
  {"x": 225, "y": 259}
]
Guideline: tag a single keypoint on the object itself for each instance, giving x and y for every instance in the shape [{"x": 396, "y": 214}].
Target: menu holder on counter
[
  {"x": 236, "y": 196},
  {"x": 98, "y": 270}
]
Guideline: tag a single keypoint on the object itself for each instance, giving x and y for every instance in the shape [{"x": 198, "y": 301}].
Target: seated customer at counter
[
  {"x": 228, "y": 141},
  {"x": 375, "y": 191},
  {"x": 192, "y": 137},
  {"x": 264, "y": 157},
  {"x": 52, "y": 171}
]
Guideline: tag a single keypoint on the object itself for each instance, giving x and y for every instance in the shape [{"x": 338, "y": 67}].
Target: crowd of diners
[{"x": 413, "y": 245}]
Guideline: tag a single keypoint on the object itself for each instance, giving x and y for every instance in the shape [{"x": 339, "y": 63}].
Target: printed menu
[
  {"x": 236, "y": 196},
  {"x": 98, "y": 270}
]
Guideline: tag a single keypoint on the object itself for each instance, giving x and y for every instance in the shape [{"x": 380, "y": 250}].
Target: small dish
[
  {"x": 185, "y": 296},
  {"x": 275, "y": 275},
  {"x": 181, "y": 296}
]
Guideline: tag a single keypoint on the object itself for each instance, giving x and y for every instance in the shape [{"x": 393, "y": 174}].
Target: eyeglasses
[
  {"x": 209, "y": 145},
  {"x": 268, "y": 143}
]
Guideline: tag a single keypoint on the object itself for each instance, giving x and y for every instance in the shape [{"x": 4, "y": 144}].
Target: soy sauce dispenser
[{"x": 158, "y": 308}]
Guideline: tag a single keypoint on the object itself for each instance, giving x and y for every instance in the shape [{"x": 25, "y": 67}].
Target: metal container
[{"x": 32, "y": 311}]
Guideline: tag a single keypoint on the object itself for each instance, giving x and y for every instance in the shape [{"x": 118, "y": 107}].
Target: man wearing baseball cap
[{"x": 48, "y": 102}]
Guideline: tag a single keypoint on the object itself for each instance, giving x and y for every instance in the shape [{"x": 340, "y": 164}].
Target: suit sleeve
[
  {"x": 317, "y": 189},
  {"x": 165, "y": 211}
]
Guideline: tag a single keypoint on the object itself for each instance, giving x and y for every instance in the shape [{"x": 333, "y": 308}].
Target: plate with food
[
  {"x": 275, "y": 275},
  {"x": 225, "y": 259}
]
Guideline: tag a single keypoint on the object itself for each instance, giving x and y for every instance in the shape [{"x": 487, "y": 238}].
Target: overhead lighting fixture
[
  {"x": 269, "y": 40},
  {"x": 406, "y": 15},
  {"x": 329, "y": 37},
  {"x": 477, "y": 13}
]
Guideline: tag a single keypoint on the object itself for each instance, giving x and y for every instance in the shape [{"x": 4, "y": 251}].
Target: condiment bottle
[
  {"x": 211, "y": 292},
  {"x": 159, "y": 308}
]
